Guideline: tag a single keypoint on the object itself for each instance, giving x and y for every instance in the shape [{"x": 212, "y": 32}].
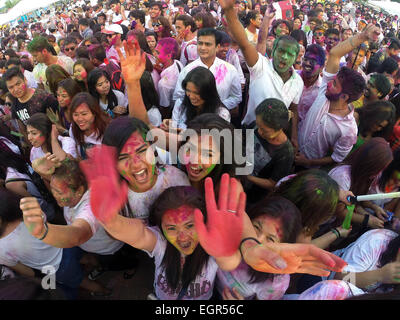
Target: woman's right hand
[
  {"x": 380, "y": 213},
  {"x": 390, "y": 273},
  {"x": 107, "y": 194},
  {"x": 165, "y": 124},
  {"x": 375, "y": 223},
  {"x": 344, "y": 232},
  {"x": 133, "y": 66}
]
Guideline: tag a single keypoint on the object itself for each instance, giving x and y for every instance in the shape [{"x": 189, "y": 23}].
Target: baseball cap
[{"x": 113, "y": 28}]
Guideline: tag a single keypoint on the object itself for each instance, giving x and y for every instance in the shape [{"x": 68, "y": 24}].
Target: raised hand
[
  {"x": 45, "y": 166},
  {"x": 227, "y": 4},
  {"x": 371, "y": 32},
  {"x": 53, "y": 116},
  {"x": 34, "y": 218},
  {"x": 299, "y": 258},
  {"x": 223, "y": 232},
  {"x": 107, "y": 194},
  {"x": 133, "y": 66}
]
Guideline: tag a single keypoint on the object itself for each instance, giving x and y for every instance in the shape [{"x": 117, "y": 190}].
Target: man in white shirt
[
  {"x": 165, "y": 53},
  {"x": 274, "y": 78},
  {"x": 329, "y": 130},
  {"x": 226, "y": 76},
  {"x": 186, "y": 29}
]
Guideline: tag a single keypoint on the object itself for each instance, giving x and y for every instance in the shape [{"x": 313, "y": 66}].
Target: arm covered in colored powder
[
  {"x": 263, "y": 31},
  {"x": 371, "y": 32},
  {"x": 132, "y": 68},
  {"x": 249, "y": 51},
  {"x": 58, "y": 236}
]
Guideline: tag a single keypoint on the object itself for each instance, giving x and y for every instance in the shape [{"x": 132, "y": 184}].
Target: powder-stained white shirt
[
  {"x": 226, "y": 78},
  {"x": 100, "y": 242},
  {"x": 266, "y": 83},
  {"x": 167, "y": 83},
  {"x": 322, "y": 131}
]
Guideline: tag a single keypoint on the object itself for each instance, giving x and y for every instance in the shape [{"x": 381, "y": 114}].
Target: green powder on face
[
  {"x": 211, "y": 168},
  {"x": 319, "y": 192}
]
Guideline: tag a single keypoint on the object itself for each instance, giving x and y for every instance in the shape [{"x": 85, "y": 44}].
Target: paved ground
[{"x": 136, "y": 288}]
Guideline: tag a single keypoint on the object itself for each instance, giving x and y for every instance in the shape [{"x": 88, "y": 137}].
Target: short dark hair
[
  {"x": 156, "y": 3},
  {"x": 187, "y": 21},
  {"x": 138, "y": 15},
  {"x": 223, "y": 37},
  {"x": 13, "y": 61},
  {"x": 382, "y": 83},
  {"x": 318, "y": 51},
  {"x": 273, "y": 113},
  {"x": 13, "y": 72},
  {"x": 83, "y": 22},
  {"x": 394, "y": 43},
  {"x": 332, "y": 31},
  {"x": 389, "y": 65},
  {"x": 38, "y": 44},
  {"x": 207, "y": 32},
  {"x": 353, "y": 84}
]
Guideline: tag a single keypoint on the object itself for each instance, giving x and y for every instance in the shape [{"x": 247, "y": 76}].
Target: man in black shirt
[
  {"x": 28, "y": 100},
  {"x": 273, "y": 151}
]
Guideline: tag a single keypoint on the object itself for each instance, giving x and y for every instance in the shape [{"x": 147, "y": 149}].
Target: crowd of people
[{"x": 110, "y": 116}]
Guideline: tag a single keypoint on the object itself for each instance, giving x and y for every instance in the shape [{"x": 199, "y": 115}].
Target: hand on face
[{"x": 107, "y": 194}]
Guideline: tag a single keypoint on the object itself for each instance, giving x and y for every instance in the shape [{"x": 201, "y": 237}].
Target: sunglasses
[
  {"x": 8, "y": 104},
  {"x": 70, "y": 49},
  {"x": 319, "y": 34},
  {"x": 156, "y": 24}
]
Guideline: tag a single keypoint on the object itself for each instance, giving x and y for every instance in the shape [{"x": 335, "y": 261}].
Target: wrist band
[
  {"x": 365, "y": 221},
  {"x": 245, "y": 239},
  {"x": 45, "y": 232},
  {"x": 336, "y": 232}
]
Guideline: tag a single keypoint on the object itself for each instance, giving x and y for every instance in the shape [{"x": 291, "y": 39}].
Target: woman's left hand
[
  {"x": 299, "y": 258},
  {"x": 223, "y": 232}
]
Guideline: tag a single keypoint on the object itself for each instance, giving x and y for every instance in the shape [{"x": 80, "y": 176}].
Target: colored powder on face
[
  {"x": 319, "y": 192},
  {"x": 210, "y": 168}
]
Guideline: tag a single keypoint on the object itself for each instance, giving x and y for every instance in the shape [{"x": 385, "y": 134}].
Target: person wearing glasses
[
  {"x": 69, "y": 47},
  {"x": 114, "y": 33},
  {"x": 154, "y": 13}
]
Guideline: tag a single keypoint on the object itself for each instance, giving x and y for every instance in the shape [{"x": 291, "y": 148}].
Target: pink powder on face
[
  {"x": 83, "y": 74},
  {"x": 220, "y": 73}
]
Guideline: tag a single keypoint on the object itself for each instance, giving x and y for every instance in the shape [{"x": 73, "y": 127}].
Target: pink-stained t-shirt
[
  {"x": 322, "y": 131},
  {"x": 199, "y": 289},
  {"x": 330, "y": 290},
  {"x": 272, "y": 288},
  {"x": 307, "y": 99},
  {"x": 342, "y": 175}
]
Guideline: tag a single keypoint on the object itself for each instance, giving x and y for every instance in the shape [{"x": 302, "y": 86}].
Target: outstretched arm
[
  {"x": 263, "y": 32},
  {"x": 132, "y": 68},
  {"x": 371, "y": 32},
  {"x": 249, "y": 51}
]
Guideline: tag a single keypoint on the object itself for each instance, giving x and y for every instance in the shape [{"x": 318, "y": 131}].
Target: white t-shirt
[
  {"x": 331, "y": 290},
  {"x": 271, "y": 289},
  {"x": 168, "y": 176},
  {"x": 200, "y": 289},
  {"x": 266, "y": 83},
  {"x": 30, "y": 78},
  {"x": 189, "y": 50},
  {"x": 21, "y": 246},
  {"x": 100, "y": 242},
  {"x": 365, "y": 253},
  {"x": 122, "y": 100},
  {"x": 67, "y": 144},
  {"x": 342, "y": 175},
  {"x": 90, "y": 141},
  {"x": 155, "y": 117},
  {"x": 167, "y": 83}
]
